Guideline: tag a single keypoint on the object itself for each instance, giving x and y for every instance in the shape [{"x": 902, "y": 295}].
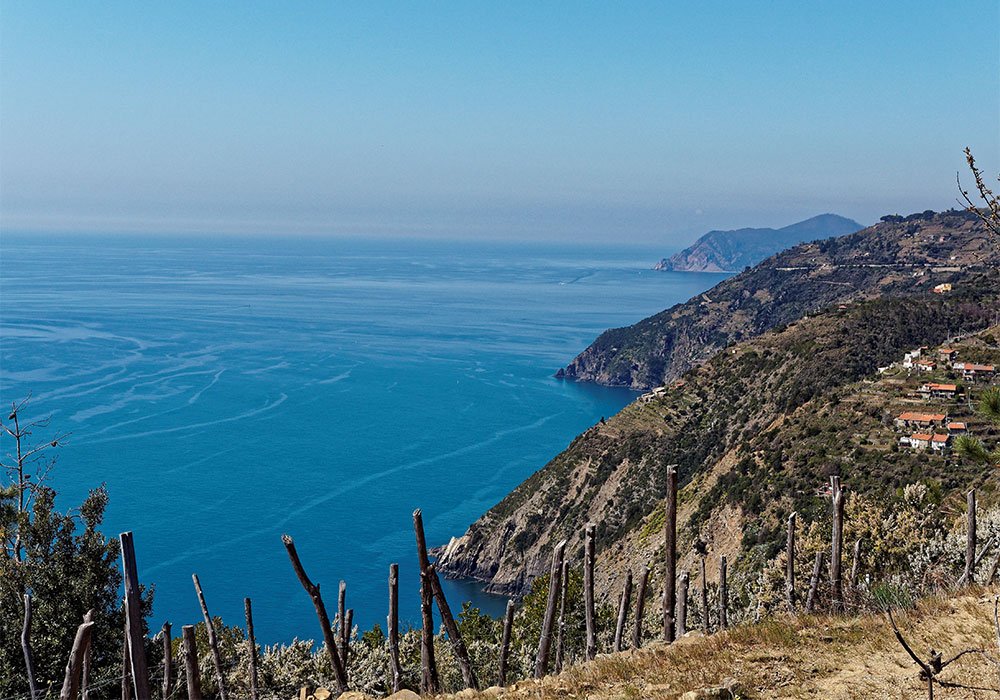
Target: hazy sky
[{"x": 650, "y": 122}]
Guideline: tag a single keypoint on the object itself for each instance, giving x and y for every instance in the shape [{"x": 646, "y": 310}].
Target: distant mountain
[{"x": 732, "y": 251}]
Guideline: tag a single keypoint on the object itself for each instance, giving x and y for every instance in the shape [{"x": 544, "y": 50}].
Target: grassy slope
[{"x": 841, "y": 658}]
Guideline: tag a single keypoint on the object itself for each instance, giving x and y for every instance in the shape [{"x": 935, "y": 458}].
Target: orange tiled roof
[
  {"x": 921, "y": 436},
  {"x": 921, "y": 417},
  {"x": 940, "y": 437}
]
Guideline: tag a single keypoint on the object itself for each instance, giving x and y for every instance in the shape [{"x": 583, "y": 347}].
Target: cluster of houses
[
  {"x": 932, "y": 430},
  {"x": 921, "y": 361}
]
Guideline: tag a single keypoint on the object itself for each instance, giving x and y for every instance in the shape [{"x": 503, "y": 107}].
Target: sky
[{"x": 645, "y": 122}]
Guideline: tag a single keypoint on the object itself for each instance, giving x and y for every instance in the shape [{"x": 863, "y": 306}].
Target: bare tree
[{"x": 990, "y": 214}]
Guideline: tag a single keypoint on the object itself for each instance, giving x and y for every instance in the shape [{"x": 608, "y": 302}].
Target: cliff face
[
  {"x": 742, "y": 425},
  {"x": 896, "y": 257},
  {"x": 731, "y": 251}
]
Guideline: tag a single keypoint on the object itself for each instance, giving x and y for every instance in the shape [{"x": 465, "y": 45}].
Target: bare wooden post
[
  {"x": 590, "y": 616},
  {"x": 29, "y": 659},
  {"x": 342, "y": 632},
  {"x": 133, "y": 617},
  {"x": 191, "y": 672},
  {"x": 723, "y": 594},
  {"x": 855, "y": 565},
  {"x": 429, "y": 683},
  {"x": 561, "y": 623},
  {"x": 640, "y": 606},
  {"x": 508, "y": 623},
  {"x": 324, "y": 619},
  {"x": 670, "y": 557},
  {"x": 71, "y": 680},
  {"x": 349, "y": 622},
  {"x": 814, "y": 583},
  {"x": 393, "y": 624},
  {"x": 545, "y": 640},
  {"x": 168, "y": 660},
  {"x": 251, "y": 649},
  {"x": 454, "y": 634},
  {"x": 126, "y": 673},
  {"x": 682, "y": 604},
  {"x": 790, "y": 563},
  {"x": 87, "y": 657},
  {"x": 837, "y": 544},
  {"x": 213, "y": 639},
  {"x": 623, "y": 611},
  {"x": 705, "y": 626},
  {"x": 970, "y": 539}
]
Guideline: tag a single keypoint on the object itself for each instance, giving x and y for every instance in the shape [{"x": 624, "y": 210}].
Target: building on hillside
[
  {"x": 910, "y": 357},
  {"x": 947, "y": 355},
  {"x": 938, "y": 391},
  {"x": 917, "y": 441},
  {"x": 957, "y": 427},
  {"x": 940, "y": 442},
  {"x": 974, "y": 372},
  {"x": 911, "y": 419},
  {"x": 943, "y": 288},
  {"x": 925, "y": 365}
]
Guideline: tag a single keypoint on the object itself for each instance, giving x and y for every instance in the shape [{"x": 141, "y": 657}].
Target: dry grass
[{"x": 814, "y": 656}]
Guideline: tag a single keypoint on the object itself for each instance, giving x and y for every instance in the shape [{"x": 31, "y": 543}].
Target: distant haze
[{"x": 651, "y": 122}]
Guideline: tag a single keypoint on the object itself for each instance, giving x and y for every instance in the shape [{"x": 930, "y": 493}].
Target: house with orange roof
[
  {"x": 911, "y": 419},
  {"x": 940, "y": 441},
  {"x": 947, "y": 355},
  {"x": 973, "y": 371},
  {"x": 957, "y": 427},
  {"x": 938, "y": 391},
  {"x": 917, "y": 441},
  {"x": 925, "y": 365}
]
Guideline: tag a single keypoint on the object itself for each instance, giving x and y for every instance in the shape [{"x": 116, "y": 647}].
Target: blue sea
[{"x": 229, "y": 390}]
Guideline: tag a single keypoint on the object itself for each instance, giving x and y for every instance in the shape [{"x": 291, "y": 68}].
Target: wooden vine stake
[
  {"x": 855, "y": 566},
  {"x": 429, "y": 683},
  {"x": 970, "y": 539},
  {"x": 168, "y": 660},
  {"x": 623, "y": 611},
  {"x": 191, "y": 673},
  {"x": 126, "y": 674},
  {"x": 344, "y": 632},
  {"x": 545, "y": 640},
  {"x": 133, "y": 619},
  {"x": 790, "y": 563},
  {"x": 814, "y": 583},
  {"x": 251, "y": 649},
  {"x": 640, "y": 606},
  {"x": 508, "y": 624},
  {"x": 87, "y": 660},
  {"x": 29, "y": 658},
  {"x": 74, "y": 666},
  {"x": 324, "y": 619},
  {"x": 454, "y": 634},
  {"x": 705, "y": 623},
  {"x": 723, "y": 594},
  {"x": 561, "y": 622},
  {"x": 392, "y": 623},
  {"x": 590, "y": 616},
  {"x": 213, "y": 639},
  {"x": 670, "y": 557},
  {"x": 837, "y": 544},
  {"x": 682, "y": 604}
]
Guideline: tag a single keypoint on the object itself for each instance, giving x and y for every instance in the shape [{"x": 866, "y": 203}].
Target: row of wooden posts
[{"x": 135, "y": 675}]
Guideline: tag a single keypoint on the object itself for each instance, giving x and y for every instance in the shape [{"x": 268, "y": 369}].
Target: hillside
[
  {"x": 898, "y": 257},
  {"x": 731, "y": 251},
  {"x": 754, "y": 432}
]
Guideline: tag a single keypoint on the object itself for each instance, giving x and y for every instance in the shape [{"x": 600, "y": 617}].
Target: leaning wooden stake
[
  {"x": 790, "y": 563},
  {"x": 126, "y": 674},
  {"x": 640, "y": 606},
  {"x": 561, "y": 622},
  {"x": 545, "y": 640},
  {"x": 191, "y": 673},
  {"x": 343, "y": 632},
  {"x": 623, "y": 611},
  {"x": 71, "y": 680},
  {"x": 87, "y": 661},
  {"x": 970, "y": 539},
  {"x": 168, "y": 660},
  {"x": 814, "y": 583},
  {"x": 837, "y": 544},
  {"x": 670, "y": 557},
  {"x": 393, "y": 624},
  {"x": 29, "y": 658},
  {"x": 429, "y": 682},
  {"x": 682, "y": 604},
  {"x": 349, "y": 621},
  {"x": 589, "y": 614},
  {"x": 705, "y": 623},
  {"x": 454, "y": 634},
  {"x": 324, "y": 619},
  {"x": 133, "y": 618},
  {"x": 508, "y": 623},
  {"x": 213, "y": 639},
  {"x": 723, "y": 594},
  {"x": 855, "y": 565},
  {"x": 251, "y": 649}
]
